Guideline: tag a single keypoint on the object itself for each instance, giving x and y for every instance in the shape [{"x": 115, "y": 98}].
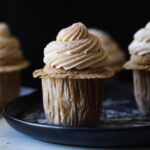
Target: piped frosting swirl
[
  {"x": 141, "y": 43},
  {"x": 75, "y": 48}
]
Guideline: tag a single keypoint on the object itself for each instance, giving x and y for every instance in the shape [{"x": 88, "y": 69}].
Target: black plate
[{"x": 122, "y": 125}]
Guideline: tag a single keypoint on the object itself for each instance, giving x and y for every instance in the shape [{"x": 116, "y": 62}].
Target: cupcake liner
[
  {"x": 14, "y": 67},
  {"x": 9, "y": 87},
  {"x": 74, "y": 75},
  {"x": 142, "y": 90},
  {"x": 72, "y": 102},
  {"x": 72, "y": 98}
]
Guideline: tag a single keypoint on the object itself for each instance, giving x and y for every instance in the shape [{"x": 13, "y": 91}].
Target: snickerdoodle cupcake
[
  {"x": 115, "y": 53},
  {"x": 139, "y": 62},
  {"x": 71, "y": 77},
  {"x": 11, "y": 63}
]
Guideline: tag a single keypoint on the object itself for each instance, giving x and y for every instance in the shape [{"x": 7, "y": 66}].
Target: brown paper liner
[
  {"x": 72, "y": 98},
  {"x": 9, "y": 87},
  {"x": 74, "y": 74},
  {"x": 72, "y": 102},
  {"x": 142, "y": 90}
]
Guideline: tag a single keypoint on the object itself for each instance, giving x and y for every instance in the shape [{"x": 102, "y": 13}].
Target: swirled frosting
[
  {"x": 75, "y": 48},
  {"x": 141, "y": 43},
  {"x": 9, "y": 46},
  {"x": 115, "y": 54}
]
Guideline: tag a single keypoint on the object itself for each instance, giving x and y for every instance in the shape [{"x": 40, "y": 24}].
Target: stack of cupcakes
[
  {"x": 71, "y": 79},
  {"x": 139, "y": 62},
  {"x": 11, "y": 62}
]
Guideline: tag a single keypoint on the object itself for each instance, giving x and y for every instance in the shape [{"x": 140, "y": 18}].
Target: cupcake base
[
  {"x": 72, "y": 98},
  {"x": 72, "y": 102},
  {"x": 142, "y": 90},
  {"x": 9, "y": 87}
]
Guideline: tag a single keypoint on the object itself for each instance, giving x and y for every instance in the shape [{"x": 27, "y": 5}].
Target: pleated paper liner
[
  {"x": 9, "y": 87},
  {"x": 86, "y": 74},
  {"x": 142, "y": 90},
  {"x": 72, "y": 102},
  {"x": 141, "y": 78},
  {"x": 10, "y": 81},
  {"x": 72, "y": 99}
]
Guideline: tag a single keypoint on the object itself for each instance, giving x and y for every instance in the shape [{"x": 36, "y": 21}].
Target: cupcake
[
  {"x": 139, "y": 62},
  {"x": 11, "y": 62},
  {"x": 71, "y": 77},
  {"x": 115, "y": 54}
]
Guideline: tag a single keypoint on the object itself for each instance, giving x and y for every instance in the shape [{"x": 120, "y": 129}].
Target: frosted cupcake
[
  {"x": 71, "y": 78},
  {"x": 139, "y": 62},
  {"x": 11, "y": 62},
  {"x": 115, "y": 54}
]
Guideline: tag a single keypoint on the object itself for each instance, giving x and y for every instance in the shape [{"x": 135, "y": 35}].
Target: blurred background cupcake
[
  {"x": 139, "y": 62},
  {"x": 11, "y": 63},
  {"x": 71, "y": 78},
  {"x": 116, "y": 55}
]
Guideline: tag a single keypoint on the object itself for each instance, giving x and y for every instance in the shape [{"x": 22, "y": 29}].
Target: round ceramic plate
[{"x": 121, "y": 125}]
